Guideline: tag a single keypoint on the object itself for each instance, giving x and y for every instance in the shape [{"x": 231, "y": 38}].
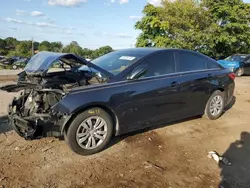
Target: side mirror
[{"x": 137, "y": 73}]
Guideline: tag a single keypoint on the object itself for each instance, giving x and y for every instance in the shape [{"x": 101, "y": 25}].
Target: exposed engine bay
[{"x": 31, "y": 114}]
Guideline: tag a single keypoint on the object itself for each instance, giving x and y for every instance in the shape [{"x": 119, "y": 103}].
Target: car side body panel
[{"x": 142, "y": 103}]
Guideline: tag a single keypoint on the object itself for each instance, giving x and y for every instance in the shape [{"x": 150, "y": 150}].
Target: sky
[{"x": 92, "y": 23}]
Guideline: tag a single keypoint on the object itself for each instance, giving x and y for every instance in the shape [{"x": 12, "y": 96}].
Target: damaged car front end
[
  {"x": 41, "y": 87},
  {"x": 31, "y": 114}
]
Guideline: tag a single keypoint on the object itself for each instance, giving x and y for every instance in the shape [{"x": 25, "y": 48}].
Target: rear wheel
[
  {"x": 215, "y": 105},
  {"x": 240, "y": 72},
  {"x": 90, "y": 132}
]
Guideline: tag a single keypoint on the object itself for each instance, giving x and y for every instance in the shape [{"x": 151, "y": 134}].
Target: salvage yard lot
[{"x": 173, "y": 155}]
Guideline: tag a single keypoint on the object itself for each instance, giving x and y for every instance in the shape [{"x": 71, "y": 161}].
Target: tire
[
  {"x": 211, "y": 113},
  {"x": 240, "y": 72},
  {"x": 84, "y": 128}
]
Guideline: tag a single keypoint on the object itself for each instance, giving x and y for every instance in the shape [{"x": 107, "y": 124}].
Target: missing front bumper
[{"x": 32, "y": 127}]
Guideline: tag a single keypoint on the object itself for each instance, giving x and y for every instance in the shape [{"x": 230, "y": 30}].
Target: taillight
[{"x": 232, "y": 75}]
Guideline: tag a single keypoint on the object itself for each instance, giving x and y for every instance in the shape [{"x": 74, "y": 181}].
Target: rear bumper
[{"x": 230, "y": 94}]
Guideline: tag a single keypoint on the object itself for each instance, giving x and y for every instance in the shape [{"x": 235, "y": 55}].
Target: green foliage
[
  {"x": 73, "y": 47},
  {"x": 153, "y": 27},
  {"x": 231, "y": 26},
  {"x": 56, "y": 46},
  {"x": 10, "y": 41},
  {"x": 22, "y": 49},
  {"x": 12, "y": 47},
  {"x": 216, "y": 28},
  {"x": 3, "y": 44},
  {"x": 101, "y": 51},
  {"x": 44, "y": 46}
]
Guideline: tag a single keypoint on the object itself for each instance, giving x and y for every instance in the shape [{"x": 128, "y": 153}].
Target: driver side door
[{"x": 154, "y": 97}]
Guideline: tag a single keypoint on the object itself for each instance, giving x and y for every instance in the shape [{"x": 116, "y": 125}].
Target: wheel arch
[
  {"x": 112, "y": 114},
  {"x": 221, "y": 89}
]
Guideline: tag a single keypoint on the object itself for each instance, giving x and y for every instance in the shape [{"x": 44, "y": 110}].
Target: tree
[
  {"x": 56, "y": 46},
  {"x": 23, "y": 49},
  {"x": 102, "y": 51},
  {"x": 74, "y": 48},
  {"x": 87, "y": 53},
  {"x": 44, "y": 46},
  {"x": 3, "y": 50},
  {"x": 231, "y": 26},
  {"x": 12, "y": 47},
  {"x": 153, "y": 27},
  {"x": 10, "y": 41},
  {"x": 215, "y": 28},
  {"x": 179, "y": 24}
]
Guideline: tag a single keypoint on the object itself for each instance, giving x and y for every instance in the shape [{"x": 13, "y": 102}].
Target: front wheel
[
  {"x": 240, "y": 72},
  {"x": 215, "y": 105},
  {"x": 90, "y": 132}
]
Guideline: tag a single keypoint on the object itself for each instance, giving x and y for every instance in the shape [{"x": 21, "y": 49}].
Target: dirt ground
[{"x": 168, "y": 156}]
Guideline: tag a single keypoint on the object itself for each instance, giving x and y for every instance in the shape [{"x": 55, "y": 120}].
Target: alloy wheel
[
  {"x": 216, "y": 105},
  {"x": 91, "y": 132}
]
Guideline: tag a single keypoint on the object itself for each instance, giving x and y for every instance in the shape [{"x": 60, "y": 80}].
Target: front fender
[{"x": 75, "y": 102}]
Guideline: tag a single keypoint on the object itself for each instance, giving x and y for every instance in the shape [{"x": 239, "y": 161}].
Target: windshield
[
  {"x": 236, "y": 58},
  {"x": 115, "y": 62}
]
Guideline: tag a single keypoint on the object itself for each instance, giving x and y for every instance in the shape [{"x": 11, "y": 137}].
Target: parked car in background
[
  {"x": 9, "y": 60},
  {"x": 123, "y": 91},
  {"x": 1, "y": 57},
  {"x": 21, "y": 63},
  {"x": 238, "y": 63}
]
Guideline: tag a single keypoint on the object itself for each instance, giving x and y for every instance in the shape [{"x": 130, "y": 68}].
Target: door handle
[{"x": 174, "y": 84}]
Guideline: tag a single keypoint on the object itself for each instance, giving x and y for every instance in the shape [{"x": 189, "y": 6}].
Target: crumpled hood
[
  {"x": 40, "y": 63},
  {"x": 229, "y": 64}
]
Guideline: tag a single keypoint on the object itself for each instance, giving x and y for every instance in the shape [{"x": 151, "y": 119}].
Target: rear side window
[
  {"x": 160, "y": 64},
  {"x": 188, "y": 61}
]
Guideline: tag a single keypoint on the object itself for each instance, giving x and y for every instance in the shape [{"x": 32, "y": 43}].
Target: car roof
[
  {"x": 138, "y": 51},
  {"x": 149, "y": 50}
]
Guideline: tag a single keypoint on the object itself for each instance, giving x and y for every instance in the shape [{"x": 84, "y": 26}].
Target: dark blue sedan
[{"x": 90, "y": 102}]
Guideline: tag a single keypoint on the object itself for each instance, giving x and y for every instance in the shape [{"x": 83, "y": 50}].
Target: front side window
[
  {"x": 160, "y": 64},
  {"x": 191, "y": 62}
]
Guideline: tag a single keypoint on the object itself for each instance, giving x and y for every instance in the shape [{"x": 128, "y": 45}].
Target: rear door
[
  {"x": 154, "y": 97},
  {"x": 196, "y": 78}
]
